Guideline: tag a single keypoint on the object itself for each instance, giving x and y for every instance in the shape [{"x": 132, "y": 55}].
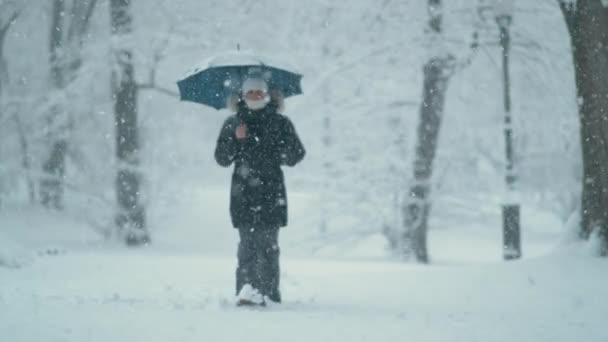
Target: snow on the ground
[
  {"x": 13, "y": 255},
  {"x": 180, "y": 288}
]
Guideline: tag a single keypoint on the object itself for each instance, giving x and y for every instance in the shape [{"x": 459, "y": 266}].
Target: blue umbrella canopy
[{"x": 219, "y": 77}]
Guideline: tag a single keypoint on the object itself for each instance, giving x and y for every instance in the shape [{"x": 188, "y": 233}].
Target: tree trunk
[
  {"x": 587, "y": 23},
  {"x": 417, "y": 206},
  {"x": 327, "y": 137},
  {"x": 4, "y": 27},
  {"x": 68, "y": 27},
  {"x": 51, "y": 185},
  {"x": 131, "y": 214},
  {"x": 25, "y": 159}
]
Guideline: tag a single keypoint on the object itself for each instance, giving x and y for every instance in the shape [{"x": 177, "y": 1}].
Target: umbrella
[{"x": 221, "y": 76}]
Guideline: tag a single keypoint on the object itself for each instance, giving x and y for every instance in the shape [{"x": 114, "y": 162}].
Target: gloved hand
[{"x": 241, "y": 132}]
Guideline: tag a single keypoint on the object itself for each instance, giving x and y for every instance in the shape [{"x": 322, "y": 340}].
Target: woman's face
[
  {"x": 255, "y": 95},
  {"x": 256, "y": 99}
]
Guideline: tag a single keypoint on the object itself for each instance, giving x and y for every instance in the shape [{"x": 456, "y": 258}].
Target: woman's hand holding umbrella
[{"x": 241, "y": 132}]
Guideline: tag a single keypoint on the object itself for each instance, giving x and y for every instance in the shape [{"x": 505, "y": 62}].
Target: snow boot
[{"x": 249, "y": 296}]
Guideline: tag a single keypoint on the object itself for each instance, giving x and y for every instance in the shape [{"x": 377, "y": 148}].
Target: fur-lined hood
[{"x": 276, "y": 98}]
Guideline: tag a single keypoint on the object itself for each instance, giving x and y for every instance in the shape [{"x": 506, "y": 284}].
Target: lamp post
[{"x": 510, "y": 207}]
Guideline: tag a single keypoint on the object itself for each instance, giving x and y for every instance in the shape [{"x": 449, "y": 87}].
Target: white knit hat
[{"x": 254, "y": 83}]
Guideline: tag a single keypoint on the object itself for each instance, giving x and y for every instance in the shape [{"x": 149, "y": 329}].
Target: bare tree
[
  {"x": 69, "y": 24},
  {"x": 416, "y": 207},
  {"x": 5, "y": 24},
  {"x": 9, "y": 11},
  {"x": 587, "y": 23},
  {"x": 440, "y": 66},
  {"x": 8, "y": 14},
  {"x": 131, "y": 215}
]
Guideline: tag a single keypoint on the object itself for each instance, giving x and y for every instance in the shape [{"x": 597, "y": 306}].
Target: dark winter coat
[{"x": 258, "y": 197}]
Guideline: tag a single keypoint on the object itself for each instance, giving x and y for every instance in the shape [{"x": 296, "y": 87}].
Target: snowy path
[
  {"x": 141, "y": 296},
  {"x": 180, "y": 288}
]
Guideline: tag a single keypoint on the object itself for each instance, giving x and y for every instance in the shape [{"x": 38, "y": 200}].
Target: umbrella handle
[{"x": 241, "y": 131}]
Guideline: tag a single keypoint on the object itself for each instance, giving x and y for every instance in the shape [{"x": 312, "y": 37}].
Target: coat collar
[
  {"x": 249, "y": 116},
  {"x": 235, "y": 104}
]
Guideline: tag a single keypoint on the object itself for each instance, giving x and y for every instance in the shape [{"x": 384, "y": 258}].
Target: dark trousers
[{"x": 258, "y": 261}]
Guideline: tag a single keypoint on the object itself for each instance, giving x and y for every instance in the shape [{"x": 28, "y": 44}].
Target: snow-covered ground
[{"x": 60, "y": 281}]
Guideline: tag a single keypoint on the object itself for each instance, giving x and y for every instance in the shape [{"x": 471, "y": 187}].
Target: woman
[{"x": 258, "y": 140}]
